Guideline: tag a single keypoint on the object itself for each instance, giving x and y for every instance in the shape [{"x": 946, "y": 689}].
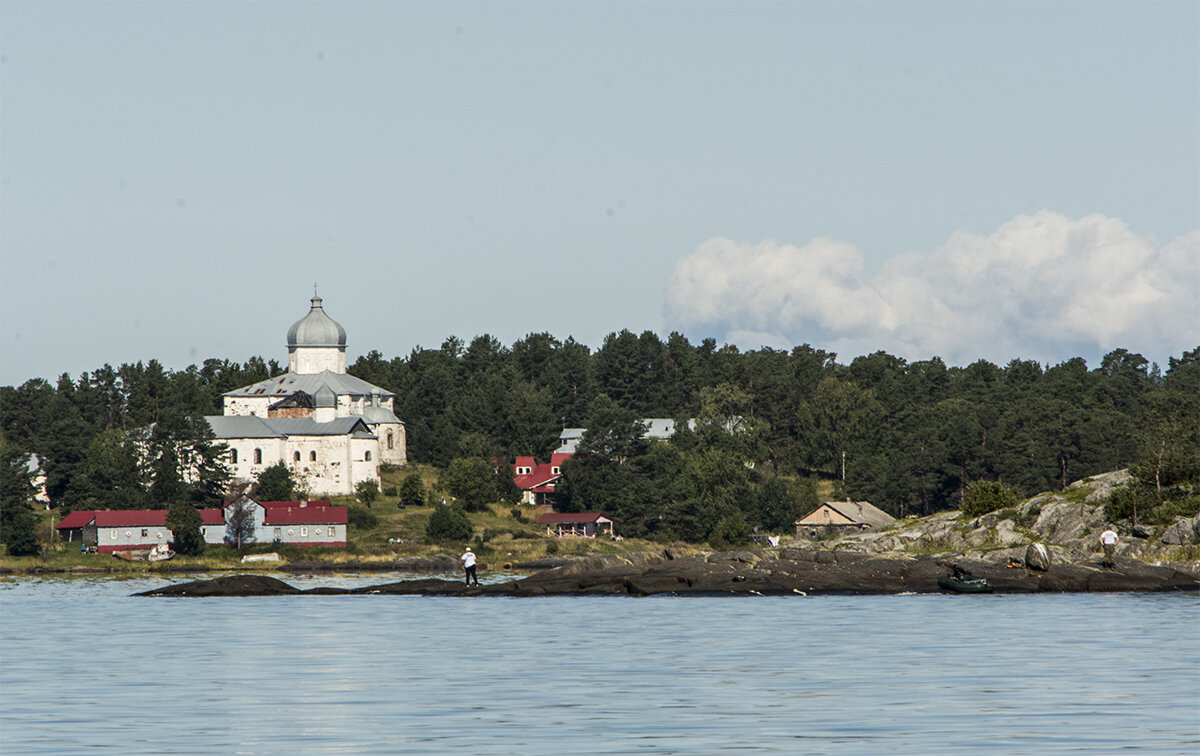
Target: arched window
[
  {"x": 312, "y": 456},
  {"x": 258, "y": 456},
  {"x": 233, "y": 456},
  {"x": 296, "y": 456},
  {"x": 389, "y": 439},
  {"x": 367, "y": 456}
]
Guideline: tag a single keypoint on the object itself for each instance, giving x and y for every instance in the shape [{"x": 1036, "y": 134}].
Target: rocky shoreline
[{"x": 782, "y": 572}]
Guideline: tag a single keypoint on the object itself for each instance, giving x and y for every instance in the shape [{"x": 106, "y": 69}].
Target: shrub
[
  {"x": 448, "y": 523},
  {"x": 983, "y": 496},
  {"x": 366, "y": 491},
  {"x": 390, "y": 492},
  {"x": 361, "y": 519},
  {"x": 552, "y": 547},
  {"x": 517, "y": 514}
]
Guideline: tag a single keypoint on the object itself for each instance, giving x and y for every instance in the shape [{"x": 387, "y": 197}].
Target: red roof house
[
  {"x": 304, "y": 523},
  {"x": 536, "y": 481},
  {"x": 117, "y": 529}
]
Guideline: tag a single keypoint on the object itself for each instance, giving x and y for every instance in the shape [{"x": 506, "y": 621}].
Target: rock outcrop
[{"x": 787, "y": 571}]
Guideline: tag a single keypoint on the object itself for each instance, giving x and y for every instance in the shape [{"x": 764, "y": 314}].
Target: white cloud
[{"x": 1041, "y": 286}]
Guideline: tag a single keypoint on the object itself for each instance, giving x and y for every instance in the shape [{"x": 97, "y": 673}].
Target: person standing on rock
[
  {"x": 1108, "y": 540},
  {"x": 468, "y": 560}
]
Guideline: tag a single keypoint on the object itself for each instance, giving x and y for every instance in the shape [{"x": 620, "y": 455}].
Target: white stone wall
[
  {"x": 398, "y": 453},
  {"x": 312, "y": 360},
  {"x": 248, "y": 405}
]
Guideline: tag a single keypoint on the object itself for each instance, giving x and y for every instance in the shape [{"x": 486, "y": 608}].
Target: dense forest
[{"x": 760, "y": 426}]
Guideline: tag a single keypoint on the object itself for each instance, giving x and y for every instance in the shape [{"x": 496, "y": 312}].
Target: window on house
[
  {"x": 312, "y": 456},
  {"x": 115, "y": 535},
  {"x": 258, "y": 456},
  {"x": 278, "y": 533},
  {"x": 554, "y": 471},
  {"x": 303, "y": 531},
  {"x": 145, "y": 533},
  {"x": 296, "y": 456},
  {"x": 233, "y": 456},
  {"x": 367, "y": 456},
  {"x": 389, "y": 439}
]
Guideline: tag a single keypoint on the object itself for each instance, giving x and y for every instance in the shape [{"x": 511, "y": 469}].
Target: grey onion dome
[
  {"x": 316, "y": 329},
  {"x": 325, "y": 397}
]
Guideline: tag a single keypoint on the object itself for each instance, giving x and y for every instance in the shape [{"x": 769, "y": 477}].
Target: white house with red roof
[
  {"x": 537, "y": 481},
  {"x": 119, "y": 529},
  {"x": 303, "y": 523}
]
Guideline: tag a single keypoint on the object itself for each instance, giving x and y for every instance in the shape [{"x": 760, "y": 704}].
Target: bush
[
  {"x": 390, "y": 492},
  {"x": 983, "y": 496},
  {"x": 361, "y": 519},
  {"x": 517, "y": 514},
  {"x": 366, "y": 491},
  {"x": 552, "y": 547},
  {"x": 448, "y": 523}
]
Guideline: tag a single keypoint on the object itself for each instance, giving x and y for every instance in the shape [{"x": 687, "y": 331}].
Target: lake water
[{"x": 86, "y": 668}]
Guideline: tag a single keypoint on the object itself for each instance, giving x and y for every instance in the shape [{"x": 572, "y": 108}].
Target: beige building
[
  {"x": 331, "y": 429},
  {"x": 841, "y": 516}
]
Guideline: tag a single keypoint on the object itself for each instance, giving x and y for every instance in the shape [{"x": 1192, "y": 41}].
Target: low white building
[
  {"x": 304, "y": 523},
  {"x": 120, "y": 529}
]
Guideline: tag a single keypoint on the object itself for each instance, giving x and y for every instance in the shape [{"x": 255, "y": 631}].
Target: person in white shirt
[
  {"x": 468, "y": 560},
  {"x": 1108, "y": 540}
]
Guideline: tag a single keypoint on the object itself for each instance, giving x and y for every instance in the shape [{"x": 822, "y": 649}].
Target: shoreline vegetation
[{"x": 907, "y": 555}]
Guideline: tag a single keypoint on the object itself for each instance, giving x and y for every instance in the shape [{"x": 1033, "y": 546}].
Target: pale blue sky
[{"x": 967, "y": 180}]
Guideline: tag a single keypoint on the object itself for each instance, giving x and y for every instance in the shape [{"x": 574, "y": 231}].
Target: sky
[{"x": 963, "y": 180}]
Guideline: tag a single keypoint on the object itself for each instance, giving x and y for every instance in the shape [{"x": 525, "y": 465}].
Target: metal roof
[
  {"x": 289, "y": 383},
  {"x": 316, "y": 329},
  {"x": 253, "y": 426}
]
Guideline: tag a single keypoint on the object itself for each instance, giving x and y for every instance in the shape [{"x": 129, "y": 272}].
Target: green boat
[{"x": 965, "y": 583}]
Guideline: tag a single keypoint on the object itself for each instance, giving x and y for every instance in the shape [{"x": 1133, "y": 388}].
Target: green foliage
[
  {"x": 21, "y": 535},
  {"x": 185, "y": 523},
  {"x": 362, "y": 519},
  {"x": 366, "y": 491},
  {"x": 275, "y": 483},
  {"x": 471, "y": 481},
  {"x": 983, "y": 496},
  {"x": 448, "y": 523},
  {"x": 16, "y": 490},
  {"x": 412, "y": 491}
]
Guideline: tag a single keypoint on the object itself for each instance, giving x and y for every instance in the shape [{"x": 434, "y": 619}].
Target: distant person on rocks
[
  {"x": 468, "y": 560},
  {"x": 1108, "y": 540}
]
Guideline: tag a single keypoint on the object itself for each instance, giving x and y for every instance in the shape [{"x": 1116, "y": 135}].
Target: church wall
[
  {"x": 398, "y": 453},
  {"x": 312, "y": 360},
  {"x": 248, "y": 405}
]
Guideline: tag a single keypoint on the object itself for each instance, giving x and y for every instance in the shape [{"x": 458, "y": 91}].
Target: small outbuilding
[
  {"x": 841, "y": 517},
  {"x": 583, "y": 524}
]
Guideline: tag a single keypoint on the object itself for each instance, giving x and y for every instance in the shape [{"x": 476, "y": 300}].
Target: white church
[{"x": 331, "y": 429}]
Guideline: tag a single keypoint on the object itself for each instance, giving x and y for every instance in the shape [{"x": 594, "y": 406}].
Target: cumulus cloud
[{"x": 1041, "y": 286}]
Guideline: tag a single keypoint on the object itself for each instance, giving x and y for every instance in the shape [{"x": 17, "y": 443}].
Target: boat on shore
[
  {"x": 965, "y": 583},
  {"x": 158, "y": 553}
]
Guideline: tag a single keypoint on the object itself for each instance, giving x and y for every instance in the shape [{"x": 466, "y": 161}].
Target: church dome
[{"x": 316, "y": 329}]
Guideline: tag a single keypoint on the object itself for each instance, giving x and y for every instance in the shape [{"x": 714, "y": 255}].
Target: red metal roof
[
  {"x": 540, "y": 476},
  {"x": 305, "y": 515},
  {"x": 557, "y": 458},
  {"x": 312, "y": 503},
  {"x": 138, "y": 518},
  {"x": 551, "y": 518},
  {"x": 131, "y": 518},
  {"x": 77, "y": 519}
]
